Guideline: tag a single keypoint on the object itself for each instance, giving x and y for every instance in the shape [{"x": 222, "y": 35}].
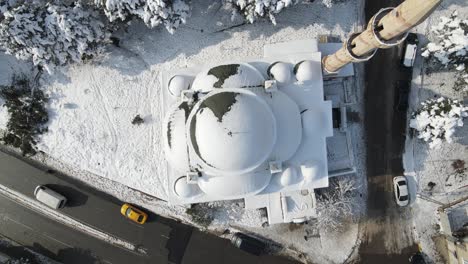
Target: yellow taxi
[{"x": 133, "y": 213}]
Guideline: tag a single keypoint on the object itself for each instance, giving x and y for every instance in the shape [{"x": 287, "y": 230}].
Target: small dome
[
  {"x": 177, "y": 84},
  {"x": 288, "y": 176},
  {"x": 308, "y": 71},
  {"x": 311, "y": 170},
  {"x": 185, "y": 190},
  {"x": 228, "y": 76},
  {"x": 232, "y": 131},
  {"x": 280, "y": 71}
]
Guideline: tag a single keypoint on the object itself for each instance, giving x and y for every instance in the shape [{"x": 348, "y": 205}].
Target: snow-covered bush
[
  {"x": 437, "y": 120},
  {"x": 201, "y": 214},
  {"x": 337, "y": 205},
  {"x": 52, "y": 33},
  {"x": 451, "y": 48},
  {"x": 170, "y": 13}
]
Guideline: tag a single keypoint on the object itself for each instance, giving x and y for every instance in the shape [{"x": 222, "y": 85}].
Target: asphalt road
[
  {"x": 164, "y": 240},
  {"x": 387, "y": 229}
]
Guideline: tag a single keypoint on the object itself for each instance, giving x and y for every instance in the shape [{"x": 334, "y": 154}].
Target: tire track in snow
[
  {"x": 66, "y": 220},
  {"x": 110, "y": 124},
  {"x": 156, "y": 81}
]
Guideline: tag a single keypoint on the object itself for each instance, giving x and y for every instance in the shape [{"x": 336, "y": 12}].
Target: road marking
[
  {"x": 56, "y": 240},
  {"x": 16, "y": 222},
  {"x": 66, "y": 220}
]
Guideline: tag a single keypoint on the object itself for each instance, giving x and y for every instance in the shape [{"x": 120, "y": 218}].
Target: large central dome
[{"x": 231, "y": 131}]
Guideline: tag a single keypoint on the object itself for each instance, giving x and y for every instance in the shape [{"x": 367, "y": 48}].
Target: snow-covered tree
[
  {"x": 451, "y": 47},
  {"x": 437, "y": 120},
  {"x": 336, "y": 205},
  {"x": 252, "y": 10},
  {"x": 28, "y": 115},
  {"x": 51, "y": 33},
  {"x": 6, "y": 5},
  {"x": 170, "y": 13}
]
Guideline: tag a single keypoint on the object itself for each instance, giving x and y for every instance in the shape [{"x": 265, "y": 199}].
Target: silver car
[{"x": 400, "y": 186}]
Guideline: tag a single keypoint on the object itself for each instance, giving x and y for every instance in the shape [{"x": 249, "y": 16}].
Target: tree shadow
[
  {"x": 34, "y": 254},
  {"x": 77, "y": 256},
  {"x": 19, "y": 252},
  {"x": 68, "y": 255}
]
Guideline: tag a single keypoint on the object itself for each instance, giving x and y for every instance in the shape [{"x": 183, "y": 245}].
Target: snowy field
[
  {"x": 92, "y": 106},
  {"x": 436, "y": 165}
]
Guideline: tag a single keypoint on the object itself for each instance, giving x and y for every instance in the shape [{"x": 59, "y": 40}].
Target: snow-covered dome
[
  {"x": 289, "y": 125},
  {"x": 185, "y": 190},
  {"x": 175, "y": 140},
  {"x": 280, "y": 71},
  {"x": 232, "y": 131},
  {"x": 308, "y": 71},
  {"x": 312, "y": 122},
  {"x": 228, "y": 76},
  {"x": 177, "y": 84}
]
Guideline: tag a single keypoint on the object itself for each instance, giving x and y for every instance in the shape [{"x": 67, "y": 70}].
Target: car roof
[
  {"x": 49, "y": 197},
  {"x": 403, "y": 190}
]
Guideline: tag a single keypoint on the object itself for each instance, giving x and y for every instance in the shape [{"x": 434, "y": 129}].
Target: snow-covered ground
[
  {"x": 435, "y": 165},
  {"x": 91, "y": 135},
  {"x": 93, "y": 105}
]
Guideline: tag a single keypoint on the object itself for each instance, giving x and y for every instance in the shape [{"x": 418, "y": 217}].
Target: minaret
[{"x": 389, "y": 27}]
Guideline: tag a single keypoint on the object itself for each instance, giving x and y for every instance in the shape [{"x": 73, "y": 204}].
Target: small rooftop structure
[{"x": 252, "y": 130}]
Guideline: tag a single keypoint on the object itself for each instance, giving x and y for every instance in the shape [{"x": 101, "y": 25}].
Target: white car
[
  {"x": 50, "y": 197},
  {"x": 410, "y": 50},
  {"x": 400, "y": 186}
]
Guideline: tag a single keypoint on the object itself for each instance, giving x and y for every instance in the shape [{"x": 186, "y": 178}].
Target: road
[
  {"x": 164, "y": 240},
  {"x": 387, "y": 230}
]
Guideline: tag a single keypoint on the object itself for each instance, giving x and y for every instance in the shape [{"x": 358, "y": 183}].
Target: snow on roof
[
  {"x": 239, "y": 137},
  {"x": 231, "y": 131},
  {"x": 175, "y": 145},
  {"x": 235, "y": 186},
  {"x": 228, "y": 76}
]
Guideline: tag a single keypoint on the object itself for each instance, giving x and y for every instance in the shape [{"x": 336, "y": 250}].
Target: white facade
[{"x": 250, "y": 130}]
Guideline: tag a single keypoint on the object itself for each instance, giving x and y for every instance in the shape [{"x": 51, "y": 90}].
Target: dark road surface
[
  {"x": 388, "y": 228},
  {"x": 164, "y": 240}
]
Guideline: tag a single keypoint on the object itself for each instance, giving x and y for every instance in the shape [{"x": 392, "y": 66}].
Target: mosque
[{"x": 250, "y": 130}]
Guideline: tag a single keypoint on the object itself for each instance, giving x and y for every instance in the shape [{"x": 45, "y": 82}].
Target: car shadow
[
  {"x": 412, "y": 188},
  {"x": 74, "y": 197}
]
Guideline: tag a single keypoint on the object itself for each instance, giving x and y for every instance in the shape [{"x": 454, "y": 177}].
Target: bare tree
[{"x": 338, "y": 204}]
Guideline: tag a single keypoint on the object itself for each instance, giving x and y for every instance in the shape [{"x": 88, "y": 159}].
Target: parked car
[
  {"x": 410, "y": 49},
  {"x": 248, "y": 244},
  {"x": 133, "y": 213},
  {"x": 402, "y": 89},
  {"x": 50, "y": 197},
  {"x": 400, "y": 186}
]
